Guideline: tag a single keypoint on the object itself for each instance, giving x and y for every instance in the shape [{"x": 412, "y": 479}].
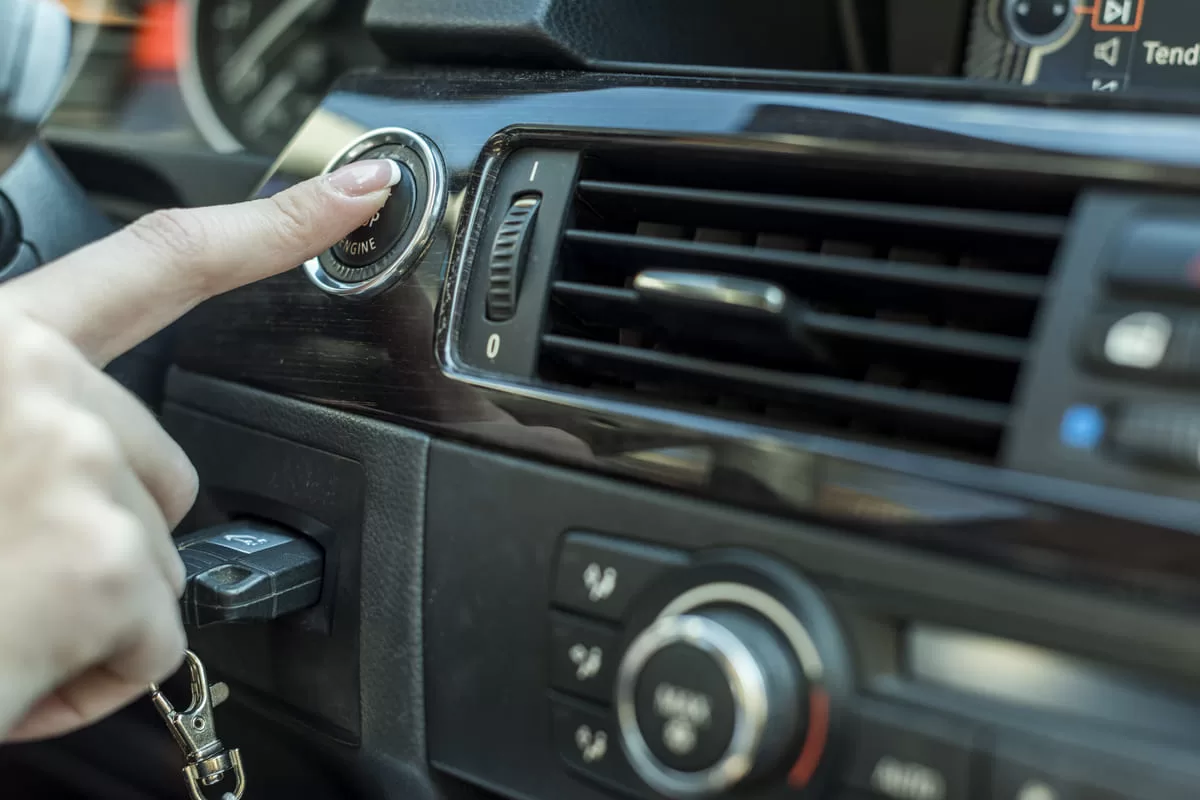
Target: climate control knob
[{"x": 709, "y": 699}]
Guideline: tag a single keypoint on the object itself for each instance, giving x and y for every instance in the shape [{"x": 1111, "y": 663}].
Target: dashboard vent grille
[{"x": 883, "y": 305}]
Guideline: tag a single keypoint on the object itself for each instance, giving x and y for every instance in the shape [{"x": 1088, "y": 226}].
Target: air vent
[{"x": 883, "y": 304}]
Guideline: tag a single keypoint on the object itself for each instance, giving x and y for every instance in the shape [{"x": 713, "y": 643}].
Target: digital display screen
[{"x": 1138, "y": 46}]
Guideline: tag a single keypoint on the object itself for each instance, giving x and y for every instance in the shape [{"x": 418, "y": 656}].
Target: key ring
[{"x": 207, "y": 759}]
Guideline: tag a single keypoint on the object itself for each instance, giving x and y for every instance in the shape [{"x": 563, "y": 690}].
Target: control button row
[
  {"x": 905, "y": 753},
  {"x": 599, "y": 576}
]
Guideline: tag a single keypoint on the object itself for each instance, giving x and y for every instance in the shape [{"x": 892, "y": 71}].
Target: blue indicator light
[{"x": 1082, "y": 427}]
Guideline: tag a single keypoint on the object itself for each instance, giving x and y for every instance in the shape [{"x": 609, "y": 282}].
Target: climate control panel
[
  {"x": 716, "y": 673},
  {"x": 617, "y": 642}
]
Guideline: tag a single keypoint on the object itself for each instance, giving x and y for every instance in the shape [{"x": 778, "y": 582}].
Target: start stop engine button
[
  {"x": 382, "y": 232},
  {"x": 391, "y": 244}
]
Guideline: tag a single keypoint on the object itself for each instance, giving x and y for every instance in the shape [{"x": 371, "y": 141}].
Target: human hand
[{"x": 90, "y": 485}]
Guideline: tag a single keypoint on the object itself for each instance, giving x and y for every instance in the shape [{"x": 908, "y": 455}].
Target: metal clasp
[{"x": 207, "y": 759}]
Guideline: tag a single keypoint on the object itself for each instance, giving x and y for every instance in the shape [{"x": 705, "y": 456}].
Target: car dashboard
[{"x": 796, "y": 403}]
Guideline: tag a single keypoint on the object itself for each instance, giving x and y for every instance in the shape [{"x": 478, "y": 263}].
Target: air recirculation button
[{"x": 510, "y": 248}]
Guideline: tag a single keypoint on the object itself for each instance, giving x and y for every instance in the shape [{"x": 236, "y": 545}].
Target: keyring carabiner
[{"x": 194, "y": 731}]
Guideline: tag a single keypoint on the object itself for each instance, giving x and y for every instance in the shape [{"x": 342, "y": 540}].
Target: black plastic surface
[
  {"x": 390, "y": 758},
  {"x": 248, "y": 572},
  {"x": 308, "y": 662},
  {"x": 151, "y": 172},
  {"x": 763, "y": 34}
]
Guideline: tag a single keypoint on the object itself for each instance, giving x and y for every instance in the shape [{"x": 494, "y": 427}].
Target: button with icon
[
  {"x": 586, "y": 740},
  {"x": 1115, "y": 15},
  {"x": 583, "y": 656},
  {"x": 599, "y": 576},
  {"x": 1108, "y": 84},
  {"x": 1129, "y": 340},
  {"x": 1111, "y": 51}
]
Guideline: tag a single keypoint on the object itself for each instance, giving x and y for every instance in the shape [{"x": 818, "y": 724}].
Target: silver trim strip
[
  {"x": 746, "y": 682},
  {"x": 714, "y": 288},
  {"x": 756, "y": 600}
]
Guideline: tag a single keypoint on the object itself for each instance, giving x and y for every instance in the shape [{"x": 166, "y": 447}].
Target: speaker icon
[{"x": 1109, "y": 52}]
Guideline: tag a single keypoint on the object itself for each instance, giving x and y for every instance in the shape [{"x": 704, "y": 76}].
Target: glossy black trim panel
[{"x": 378, "y": 358}]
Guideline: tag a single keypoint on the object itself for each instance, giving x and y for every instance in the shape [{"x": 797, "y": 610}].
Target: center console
[
  {"x": 621, "y": 642},
  {"x": 779, "y": 440}
]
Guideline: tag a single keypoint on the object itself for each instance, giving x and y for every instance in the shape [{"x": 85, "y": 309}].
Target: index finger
[{"x": 117, "y": 292}]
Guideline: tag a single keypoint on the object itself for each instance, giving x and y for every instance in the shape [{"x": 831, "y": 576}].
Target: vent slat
[
  {"x": 720, "y": 208},
  {"x": 636, "y": 252},
  {"x": 622, "y": 306},
  {"x": 963, "y": 343},
  {"x": 893, "y": 305},
  {"x": 885, "y": 402}
]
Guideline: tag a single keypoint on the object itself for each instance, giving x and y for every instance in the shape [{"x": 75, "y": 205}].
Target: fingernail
[{"x": 365, "y": 177}]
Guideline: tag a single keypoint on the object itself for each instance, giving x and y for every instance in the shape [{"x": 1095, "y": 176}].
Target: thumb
[{"x": 113, "y": 294}]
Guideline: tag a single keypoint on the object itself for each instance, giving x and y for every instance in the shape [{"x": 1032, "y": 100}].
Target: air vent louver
[{"x": 887, "y": 306}]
